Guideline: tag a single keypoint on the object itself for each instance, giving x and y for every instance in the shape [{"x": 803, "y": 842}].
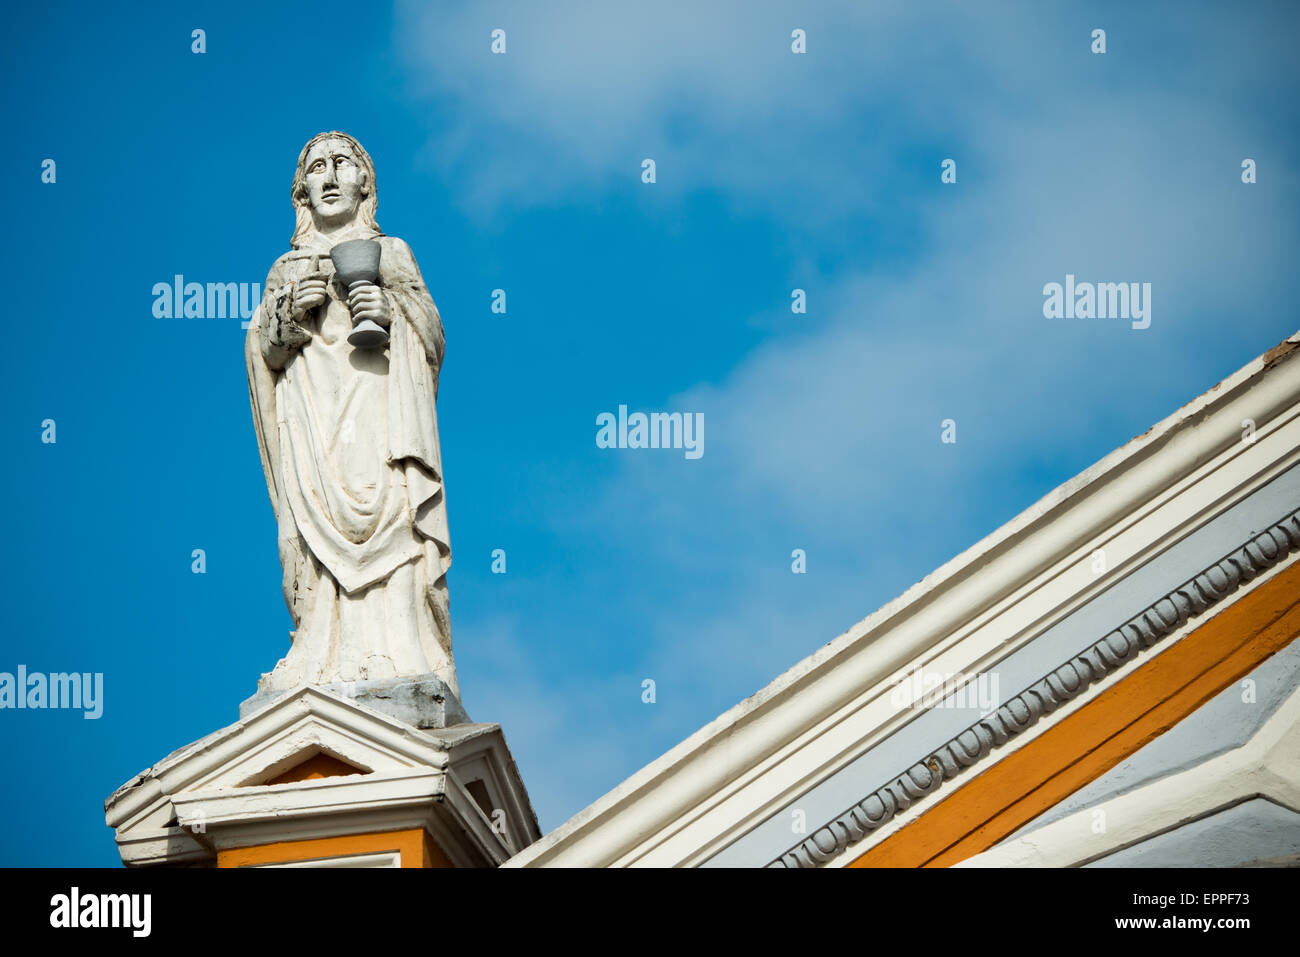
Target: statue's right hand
[
  {"x": 280, "y": 329},
  {"x": 308, "y": 294}
]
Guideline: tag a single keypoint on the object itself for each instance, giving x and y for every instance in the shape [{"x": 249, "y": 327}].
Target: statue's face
[{"x": 336, "y": 182}]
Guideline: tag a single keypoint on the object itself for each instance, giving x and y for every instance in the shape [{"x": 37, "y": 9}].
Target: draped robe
[{"x": 349, "y": 445}]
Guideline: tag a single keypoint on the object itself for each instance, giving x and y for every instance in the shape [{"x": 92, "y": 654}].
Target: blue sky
[{"x": 775, "y": 171}]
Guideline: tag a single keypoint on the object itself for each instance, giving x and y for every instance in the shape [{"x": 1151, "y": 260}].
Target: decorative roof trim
[{"x": 1024, "y": 710}]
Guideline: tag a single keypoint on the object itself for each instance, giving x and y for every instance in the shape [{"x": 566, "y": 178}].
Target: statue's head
[{"x": 333, "y": 186}]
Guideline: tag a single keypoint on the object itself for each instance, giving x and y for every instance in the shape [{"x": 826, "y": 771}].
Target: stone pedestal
[{"x": 372, "y": 774}]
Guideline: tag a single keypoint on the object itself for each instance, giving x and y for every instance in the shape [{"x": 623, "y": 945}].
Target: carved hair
[{"x": 304, "y": 225}]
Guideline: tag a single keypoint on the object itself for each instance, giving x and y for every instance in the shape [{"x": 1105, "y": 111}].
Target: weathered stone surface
[{"x": 423, "y": 701}]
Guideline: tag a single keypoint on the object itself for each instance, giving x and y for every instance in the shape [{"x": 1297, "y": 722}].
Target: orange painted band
[
  {"x": 414, "y": 845},
  {"x": 1102, "y": 733}
]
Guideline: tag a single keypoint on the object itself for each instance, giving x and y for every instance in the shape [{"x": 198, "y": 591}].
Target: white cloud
[{"x": 826, "y": 436}]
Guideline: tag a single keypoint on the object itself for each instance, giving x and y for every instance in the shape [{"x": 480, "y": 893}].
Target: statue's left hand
[{"x": 367, "y": 301}]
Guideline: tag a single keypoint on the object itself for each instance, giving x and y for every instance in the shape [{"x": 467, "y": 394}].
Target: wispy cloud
[{"x": 825, "y": 436}]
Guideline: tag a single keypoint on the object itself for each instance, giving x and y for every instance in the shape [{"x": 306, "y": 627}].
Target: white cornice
[
  {"x": 307, "y": 798},
  {"x": 1050, "y": 700}
]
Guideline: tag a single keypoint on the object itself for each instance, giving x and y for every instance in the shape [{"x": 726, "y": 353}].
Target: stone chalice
[{"x": 357, "y": 261}]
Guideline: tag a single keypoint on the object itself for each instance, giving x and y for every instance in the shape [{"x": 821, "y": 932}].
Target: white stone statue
[{"x": 349, "y": 440}]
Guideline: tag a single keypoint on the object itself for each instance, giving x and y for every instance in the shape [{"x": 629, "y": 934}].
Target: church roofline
[{"x": 1119, "y": 485}]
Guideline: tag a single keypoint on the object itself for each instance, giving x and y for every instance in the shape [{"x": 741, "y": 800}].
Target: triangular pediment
[
  {"x": 307, "y": 739},
  {"x": 304, "y": 725}
]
